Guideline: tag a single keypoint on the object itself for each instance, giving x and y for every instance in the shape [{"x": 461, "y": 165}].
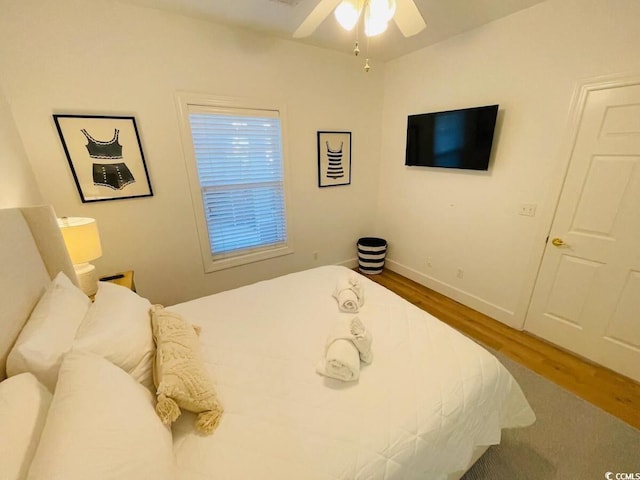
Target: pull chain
[
  {"x": 367, "y": 67},
  {"x": 356, "y": 49}
]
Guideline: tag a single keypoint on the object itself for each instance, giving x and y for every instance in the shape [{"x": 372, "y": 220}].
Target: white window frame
[{"x": 213, "y": 263}]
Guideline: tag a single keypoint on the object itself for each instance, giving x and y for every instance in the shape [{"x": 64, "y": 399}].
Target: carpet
[{"x": 571, "y": 439}]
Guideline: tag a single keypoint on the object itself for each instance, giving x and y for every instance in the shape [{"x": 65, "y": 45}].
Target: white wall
[
  {"x": 529, "y": 63},
  {"x": 18, "y": 185},
  {"x": 103, "y": 57}
]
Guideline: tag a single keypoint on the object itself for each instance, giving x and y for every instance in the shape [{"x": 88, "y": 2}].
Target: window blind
[{"x": 239, "y": 161}]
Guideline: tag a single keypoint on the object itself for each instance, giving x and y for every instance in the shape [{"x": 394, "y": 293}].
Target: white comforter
[{"x": 417, "y": 412}]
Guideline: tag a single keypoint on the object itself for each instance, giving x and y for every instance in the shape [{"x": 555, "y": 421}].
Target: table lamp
[{"x": 83, "y": 244}]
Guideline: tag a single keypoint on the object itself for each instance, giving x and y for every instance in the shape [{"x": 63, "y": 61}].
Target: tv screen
[{"x": 452, "y": 139}]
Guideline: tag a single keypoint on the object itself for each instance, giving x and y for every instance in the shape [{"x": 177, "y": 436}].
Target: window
[{"x": 235, "y": 161}]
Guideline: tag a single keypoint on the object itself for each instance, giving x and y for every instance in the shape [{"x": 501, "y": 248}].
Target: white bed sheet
[{"x": 418, "y": 411}]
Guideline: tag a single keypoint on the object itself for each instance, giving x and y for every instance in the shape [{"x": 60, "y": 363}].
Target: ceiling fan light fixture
[
  {"x": 382, "y": 10},
  {"x": 373, "y": 28},
  {"x": 374, "y": 25},
  {"x": 347, "y": 13}
]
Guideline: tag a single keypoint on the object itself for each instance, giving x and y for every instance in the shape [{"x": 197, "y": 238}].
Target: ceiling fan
[{"x": 376, "y": 15}]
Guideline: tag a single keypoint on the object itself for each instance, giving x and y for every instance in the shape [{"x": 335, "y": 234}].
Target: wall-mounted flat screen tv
[{"x": 452, "y": 139}]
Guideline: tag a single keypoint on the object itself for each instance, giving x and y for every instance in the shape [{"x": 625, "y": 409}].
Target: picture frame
[
  {"x": 334, "y": 158},
  {"x": 105, "y": 156}
]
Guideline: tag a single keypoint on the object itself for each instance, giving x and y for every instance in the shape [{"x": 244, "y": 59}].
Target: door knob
[{"x": 558, "y": 242}]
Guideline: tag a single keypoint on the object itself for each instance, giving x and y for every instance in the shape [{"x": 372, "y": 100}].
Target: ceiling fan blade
[
  {"x": 315, "y": 18},
  {"x": 408, "y": 18}
]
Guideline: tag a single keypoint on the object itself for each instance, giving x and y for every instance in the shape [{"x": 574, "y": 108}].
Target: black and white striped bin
[{"x": 371, "y": 253}]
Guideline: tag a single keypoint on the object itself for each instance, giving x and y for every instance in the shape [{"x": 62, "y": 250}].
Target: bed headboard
[{"x": 32, "y": 252}]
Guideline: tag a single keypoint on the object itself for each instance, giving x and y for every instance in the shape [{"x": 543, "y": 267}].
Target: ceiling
[{"x": 444, "y": 19}]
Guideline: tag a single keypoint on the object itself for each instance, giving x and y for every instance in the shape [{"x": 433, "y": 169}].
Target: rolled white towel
[
  {"x": 349, "y": 293},
  {"x": 354, "y": 330},
  {"x": 342, "y": 361},
  {"x": 347, "y": 300},
  {"x": 356, "y": 286},
  {"x": 362, "y": 339}
]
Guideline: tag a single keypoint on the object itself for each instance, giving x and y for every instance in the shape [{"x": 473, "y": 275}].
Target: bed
[{"x": 427, "y": 407}]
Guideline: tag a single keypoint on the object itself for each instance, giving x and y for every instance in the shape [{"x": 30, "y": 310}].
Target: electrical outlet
[
  {"x": 460, "y": 273},
  {"x": 429, "y": 264},
  {"x": 527, "y": 209},
  {"x": 315, "y": 255}
]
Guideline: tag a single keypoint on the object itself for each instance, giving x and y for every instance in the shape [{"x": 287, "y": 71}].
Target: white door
[{"x": 587, "y": 295}]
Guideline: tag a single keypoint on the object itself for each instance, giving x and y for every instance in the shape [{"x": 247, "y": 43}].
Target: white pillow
[
  {"x": 101, "y": 426},
  {"x": 118, "y": 328},
  {"x": 24, "y": 403},
  {"x": 49, "y": 332}
]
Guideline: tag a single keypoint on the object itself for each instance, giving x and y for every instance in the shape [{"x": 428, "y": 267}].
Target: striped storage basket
[{"x": 371, "y": 253}]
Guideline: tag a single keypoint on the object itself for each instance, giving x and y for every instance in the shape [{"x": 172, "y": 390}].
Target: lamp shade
[{"x": 81, "y": 237}]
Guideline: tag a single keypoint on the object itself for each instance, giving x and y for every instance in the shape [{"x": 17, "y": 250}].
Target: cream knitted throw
[{"x": 179, "y": 373}]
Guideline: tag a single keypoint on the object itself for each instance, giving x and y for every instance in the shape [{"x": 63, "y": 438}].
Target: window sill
[{"x": 216, "y": 264}]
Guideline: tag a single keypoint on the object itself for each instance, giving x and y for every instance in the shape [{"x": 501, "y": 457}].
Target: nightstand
[{"x": 124, "y": 279}]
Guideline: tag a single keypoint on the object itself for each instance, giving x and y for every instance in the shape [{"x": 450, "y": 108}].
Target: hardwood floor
[{"x": 604, "y": 388}]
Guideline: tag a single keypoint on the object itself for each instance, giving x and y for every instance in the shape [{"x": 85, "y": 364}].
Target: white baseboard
[
  {"x": 351, "y": 263},
  {"x": 494, "y": 311}
]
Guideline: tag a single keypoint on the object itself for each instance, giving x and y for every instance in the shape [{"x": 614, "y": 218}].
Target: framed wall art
[
  {"x": 105, "y": 156},
  {"x": 334, "y": 158}
]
